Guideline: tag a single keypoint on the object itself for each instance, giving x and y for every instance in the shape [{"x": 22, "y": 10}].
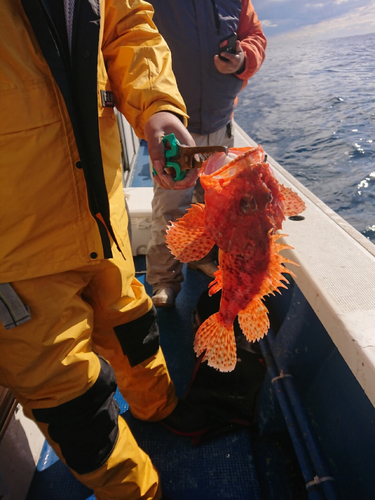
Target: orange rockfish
[{"x": 244, "y": 207}]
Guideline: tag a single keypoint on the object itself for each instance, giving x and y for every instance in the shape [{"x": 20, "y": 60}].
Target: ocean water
[{"x": 312, "y": 108}]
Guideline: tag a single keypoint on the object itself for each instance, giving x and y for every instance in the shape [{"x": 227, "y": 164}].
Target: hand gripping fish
[{"x": 244, "y": 207}]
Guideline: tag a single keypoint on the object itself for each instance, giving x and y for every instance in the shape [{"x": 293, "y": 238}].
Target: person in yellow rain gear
[{"x": 74, "y": 321}]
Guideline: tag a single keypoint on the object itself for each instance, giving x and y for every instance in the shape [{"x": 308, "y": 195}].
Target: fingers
[
  {"x": 160, "y": 175},
  {"x": 233, "y": 61},
  {"x": 159, "y": 125},
  {"x": 188, "y": 181},
  {"x": 166, "y": 181}
]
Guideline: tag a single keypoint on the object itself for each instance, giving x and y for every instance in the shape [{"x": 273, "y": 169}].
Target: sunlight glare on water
[{"x": 312, "y": 108}]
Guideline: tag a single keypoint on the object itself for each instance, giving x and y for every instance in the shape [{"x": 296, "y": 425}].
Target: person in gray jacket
[{"x": 209, "y": 86}]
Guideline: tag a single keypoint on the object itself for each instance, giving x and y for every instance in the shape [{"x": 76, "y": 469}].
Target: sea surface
[{"x": 312, "y": 108}]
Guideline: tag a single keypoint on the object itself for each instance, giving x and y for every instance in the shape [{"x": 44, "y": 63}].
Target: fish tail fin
[
  {"x": 254, "y": 321},
  {"x": 217, "y": 342}
]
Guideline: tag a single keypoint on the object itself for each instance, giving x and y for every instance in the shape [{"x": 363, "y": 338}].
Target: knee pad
[
  {"x": 86, "y": 428},
  {"x": 139, "y": 339}
]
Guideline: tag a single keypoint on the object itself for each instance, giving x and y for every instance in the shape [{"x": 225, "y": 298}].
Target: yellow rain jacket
[
  {"x": 62, "y": 206},
  {"x": 55, "y": 213}
]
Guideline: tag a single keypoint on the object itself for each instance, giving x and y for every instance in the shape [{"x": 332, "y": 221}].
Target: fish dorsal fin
[
  {"x": 293, "y": 204},
  {"x": 187, "y": 238}
]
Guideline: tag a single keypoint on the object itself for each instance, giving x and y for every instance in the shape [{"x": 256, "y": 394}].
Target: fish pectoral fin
[
  {"x": 293, "y": 204},
  {"x": 218, "y": 344},
  {"x": 254, "y": 321},
  {"x": 187, "y": 238}
]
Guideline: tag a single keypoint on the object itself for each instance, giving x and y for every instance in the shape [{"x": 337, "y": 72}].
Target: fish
[{"x": 243, "y": 211}]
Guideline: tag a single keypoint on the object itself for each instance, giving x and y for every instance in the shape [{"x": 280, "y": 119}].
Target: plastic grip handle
[{"x": 170, "y": 153}]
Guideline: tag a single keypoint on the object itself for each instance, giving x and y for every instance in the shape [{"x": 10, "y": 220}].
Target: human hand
[
  {"x": 233, "y": 63},
  {"x": 157, "y": 126}
]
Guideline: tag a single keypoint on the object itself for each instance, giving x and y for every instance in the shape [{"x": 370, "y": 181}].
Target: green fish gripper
[{"x": 171, "y": 141}]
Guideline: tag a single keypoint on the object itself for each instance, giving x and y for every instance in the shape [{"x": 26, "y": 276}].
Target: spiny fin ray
[{"x": 217, "y": 284}]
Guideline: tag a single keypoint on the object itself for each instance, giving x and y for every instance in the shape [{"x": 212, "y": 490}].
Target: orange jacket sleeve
[{"x": 253, "y": 41}]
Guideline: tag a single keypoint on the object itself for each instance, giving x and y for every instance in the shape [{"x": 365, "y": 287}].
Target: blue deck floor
[{"x": 141, "y": 171}]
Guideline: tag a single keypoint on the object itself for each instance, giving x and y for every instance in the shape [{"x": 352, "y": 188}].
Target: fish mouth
[
  {"x": 218, "y": 161},
  {"x": 220, "y": 168}
]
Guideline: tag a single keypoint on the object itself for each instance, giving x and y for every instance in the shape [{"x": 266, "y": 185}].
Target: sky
[{"x": 290, "y": 20}]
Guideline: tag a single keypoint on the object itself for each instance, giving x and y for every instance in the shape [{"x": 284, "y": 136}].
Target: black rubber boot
[{"x": 187, "y": 420}]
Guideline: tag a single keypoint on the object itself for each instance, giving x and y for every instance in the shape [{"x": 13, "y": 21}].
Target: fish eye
[{"x": 248, "y": 204}]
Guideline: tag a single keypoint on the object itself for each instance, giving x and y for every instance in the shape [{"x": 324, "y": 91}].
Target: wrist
[{"x": 241, "y": 68}]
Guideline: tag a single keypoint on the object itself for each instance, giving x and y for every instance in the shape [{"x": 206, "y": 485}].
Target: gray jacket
[{"x": 193, "y": 30}]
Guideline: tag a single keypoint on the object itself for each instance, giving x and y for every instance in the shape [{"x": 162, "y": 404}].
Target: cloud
[
  {"x": 293, "y": 19},
  {"x": 268, "y": 24},
  {"x": 355, "y": 22}
]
